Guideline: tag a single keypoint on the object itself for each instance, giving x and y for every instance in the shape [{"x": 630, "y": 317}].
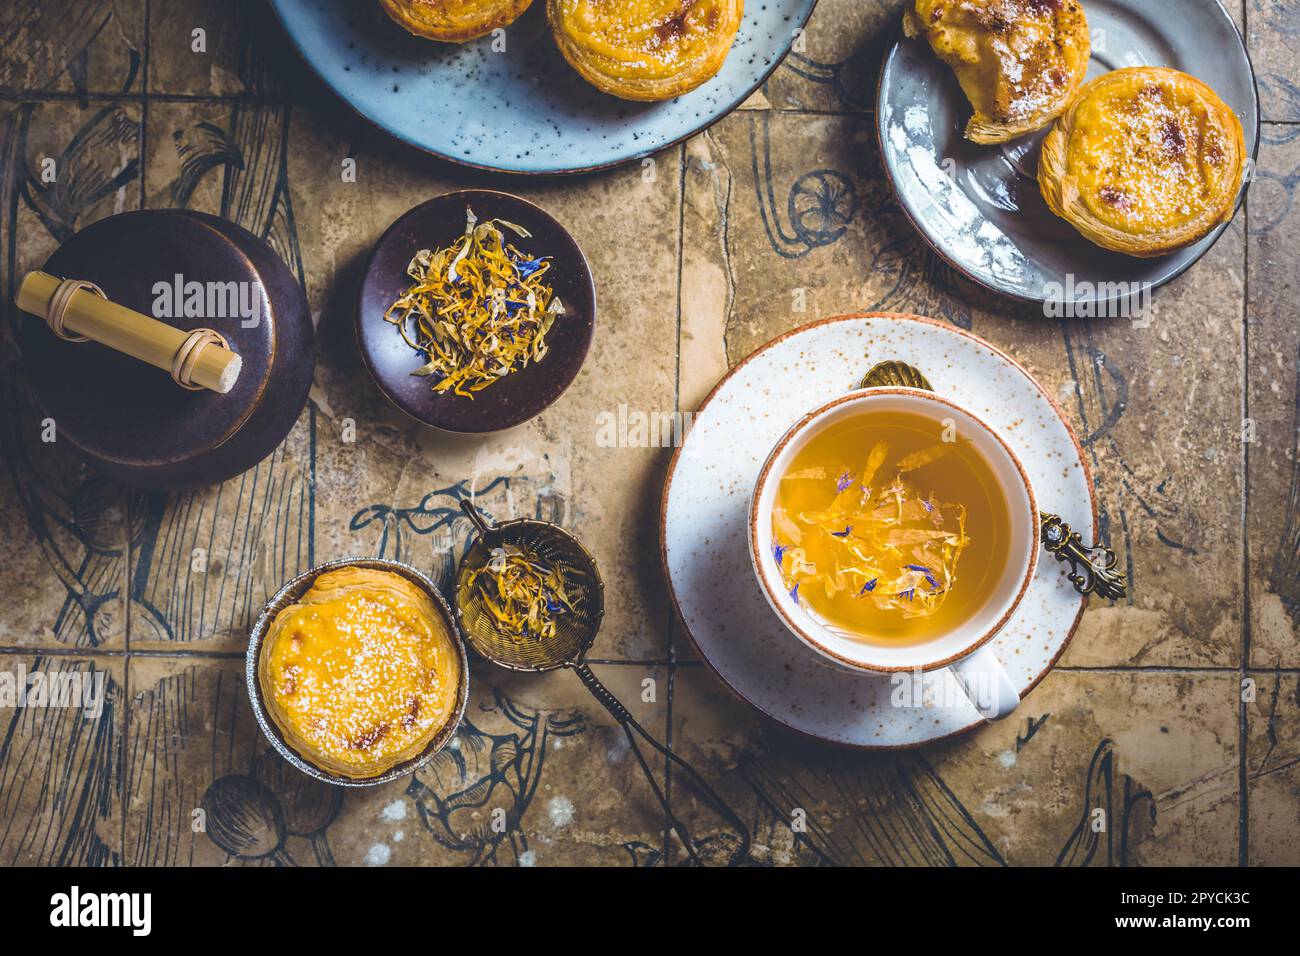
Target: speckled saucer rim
[
  {"x": 969, "y": 275},
  {"x": 707, "y": 124},
  {"x": 578, "y": 357},
  {"x": 299, "y": 586},
  {"x": 663, "y": 529}
]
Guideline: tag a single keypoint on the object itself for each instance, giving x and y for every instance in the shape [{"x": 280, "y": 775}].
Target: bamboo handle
[{"x": 130, "y": 332}]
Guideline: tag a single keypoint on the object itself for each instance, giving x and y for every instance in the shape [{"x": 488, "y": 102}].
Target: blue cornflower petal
[
  {"x": 929, "y": 576},
  {"x": 869, "y": 586},
  {"x": 842, "y": 534},
  {"x": 843, "y": 481},
  {"x": 527, "y": 267}
]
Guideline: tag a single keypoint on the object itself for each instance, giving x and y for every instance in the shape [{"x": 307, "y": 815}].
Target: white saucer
[{"x": 706, "y": 500}]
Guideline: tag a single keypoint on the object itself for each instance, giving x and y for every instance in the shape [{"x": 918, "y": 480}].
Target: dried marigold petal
[
  {"x": 477, "y": 310},
  {"x": 523, "y": 593}
]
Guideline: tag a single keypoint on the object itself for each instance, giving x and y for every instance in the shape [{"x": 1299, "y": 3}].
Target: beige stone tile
[
  {"x": 66, "y": 574},
  {"x": 1159, "y": 411},
  {"x": 1273, "y": 508},
  {"x": 1272, "y": 33},
  {"x": 1273, "y": 520},
  {"x": 834, "y": 66},
  {"x": 235, "y": 48},
  {"x": 226, "y": 159},
  {"x": 1273, "y": 770},
  {"x": 84, "y": 47},
  {"x": 190, "y": 725},
  {"x": 205, "y": 562},
  {"x": 783, "y": 211},
  {"x": 538, "y": 774},
  {"x": 1156, "y": 753},
  {"x": 776, "y": 213},
  {"x": 562, "y": 778},
  {"x": 79, "y": 162},
  {"x": 60, "y": 767}
]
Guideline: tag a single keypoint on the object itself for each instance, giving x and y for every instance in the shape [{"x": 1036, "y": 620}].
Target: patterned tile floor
[{"x": 1176, "y": 712}]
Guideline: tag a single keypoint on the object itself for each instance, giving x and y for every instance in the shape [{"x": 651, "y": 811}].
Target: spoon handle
[
  {"x": 1093, "y": 569},
  {"x": 632, "y": 730},
  {"x": 475, "y": 516}
]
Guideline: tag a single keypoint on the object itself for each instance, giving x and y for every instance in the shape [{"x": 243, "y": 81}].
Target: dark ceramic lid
[{"x": 116, "y": 408}]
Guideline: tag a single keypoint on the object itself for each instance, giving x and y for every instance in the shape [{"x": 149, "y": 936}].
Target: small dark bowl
[
  {"x": 521, "y": 394},
  {"x": 289, "y": 594}
]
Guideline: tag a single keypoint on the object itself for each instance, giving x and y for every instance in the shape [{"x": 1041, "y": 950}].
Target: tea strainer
[{"x": 575, "y": 631}]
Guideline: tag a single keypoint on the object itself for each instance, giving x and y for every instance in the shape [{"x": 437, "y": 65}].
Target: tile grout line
[
  {"x": 1243, "y": 734},
  {"x": 1243, "y": 731}
]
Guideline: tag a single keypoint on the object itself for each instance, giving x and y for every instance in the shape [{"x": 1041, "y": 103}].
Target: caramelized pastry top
[
  {"x": 1018, "y": 61},
  {"x": 1149, "y": 155},
  {"x": 645, "y": 49},
  {"x": 1147, "y": 160},
  {"x": 453, "y": 21},
  {"x": 361, "y": 673}
]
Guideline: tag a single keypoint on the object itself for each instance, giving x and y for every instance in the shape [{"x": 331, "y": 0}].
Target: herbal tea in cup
[
  {"x": 891, "y": 526},
  {"x": 892, "y": 530}
]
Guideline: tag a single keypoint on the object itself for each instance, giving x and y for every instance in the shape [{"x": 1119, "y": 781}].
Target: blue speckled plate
[
  {"x": 979, "y": 206},
  {"x": 525, "y": 110}
]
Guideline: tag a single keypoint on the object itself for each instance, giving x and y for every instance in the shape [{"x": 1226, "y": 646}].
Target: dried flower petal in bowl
[
  {"x": 499, "y": 342},
  {"x": 478, "y": 309}
]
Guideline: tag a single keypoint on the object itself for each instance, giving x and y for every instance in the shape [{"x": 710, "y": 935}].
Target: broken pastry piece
[
  {"x": 1146, "y": 161},
  {"x": 1019, "y": 62}
]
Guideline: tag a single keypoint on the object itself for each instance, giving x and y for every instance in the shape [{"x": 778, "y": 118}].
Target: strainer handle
[
  {"x": 632, "y": 730},
  {"x": 475, "y": 516}
]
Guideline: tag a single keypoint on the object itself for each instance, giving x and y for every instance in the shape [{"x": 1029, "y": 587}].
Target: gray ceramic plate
[
  {"x": 979, "y": 206},
  {"x": 523, "y": 109}
]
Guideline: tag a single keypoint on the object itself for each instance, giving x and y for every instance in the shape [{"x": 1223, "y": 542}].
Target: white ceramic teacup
[{"x": 962, "y": 648}]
